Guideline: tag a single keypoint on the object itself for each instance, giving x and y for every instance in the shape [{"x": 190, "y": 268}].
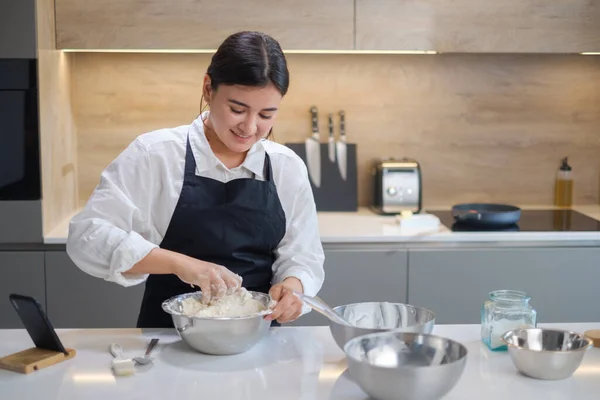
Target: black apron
[{"x": 237, "y": 224}]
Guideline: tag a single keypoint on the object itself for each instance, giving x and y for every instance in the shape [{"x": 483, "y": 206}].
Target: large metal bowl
[
  {"x": 405, "y": 366},
  {"x": 376, "y": 317},
  {"x": 219, "y": 335},
  {"x": 549, "y": 354}
]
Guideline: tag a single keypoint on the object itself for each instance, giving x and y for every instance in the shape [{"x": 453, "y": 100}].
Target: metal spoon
[
  {"x": 320, "y": 306},
  {"x": 146, "y": 359}
]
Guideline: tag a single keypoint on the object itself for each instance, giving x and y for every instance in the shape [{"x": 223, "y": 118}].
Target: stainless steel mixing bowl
[
  {"x": 219, "y": 335},
  {"x": 376, "y": 317},
  {"x": 405, "y": 366},
  {"x": 546, "y": 353}
]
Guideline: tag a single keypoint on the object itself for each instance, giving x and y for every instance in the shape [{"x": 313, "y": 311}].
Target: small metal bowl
[
  {"x": 405, "y": 366},
  {"x": 219, "y": 335},
  {"x": 373, "y": 317},
  {"x": 548, "y": 354}
]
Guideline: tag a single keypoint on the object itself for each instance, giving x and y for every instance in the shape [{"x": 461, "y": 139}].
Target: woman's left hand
[{"x": 289, "y": 306}]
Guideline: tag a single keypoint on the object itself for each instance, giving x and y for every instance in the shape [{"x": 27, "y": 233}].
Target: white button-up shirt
[{"x": 129, "y": 211}]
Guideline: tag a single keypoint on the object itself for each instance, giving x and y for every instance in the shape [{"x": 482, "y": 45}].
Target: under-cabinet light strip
[{"x": 210, "y": 51}]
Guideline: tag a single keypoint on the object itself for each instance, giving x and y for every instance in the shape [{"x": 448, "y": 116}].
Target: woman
[{"x": 208, "y": 203}]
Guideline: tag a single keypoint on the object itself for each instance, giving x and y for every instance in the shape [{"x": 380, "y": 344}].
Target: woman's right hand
[{"x": 214, "y": 280}]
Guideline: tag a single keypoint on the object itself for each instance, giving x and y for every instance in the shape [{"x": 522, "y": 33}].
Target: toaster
[{"x": 397, "y": 186}]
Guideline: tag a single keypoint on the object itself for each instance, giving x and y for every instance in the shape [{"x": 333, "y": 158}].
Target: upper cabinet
[
  {"x": 451, "y": 26},
  {"x": 479, "y": 26},
  {"x": 202, "y": 24}
]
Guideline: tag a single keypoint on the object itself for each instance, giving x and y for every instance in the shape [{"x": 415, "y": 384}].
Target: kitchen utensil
[
  {"x": 219, "y": 335},
  {"x": 397, "y": 186},
  {"x": 342, "y": 147},
  {"x": 331, "y": 140},
  {"x": 486, "y": 214},
  {"x": 121, "y": 366},
  {"x": 146, "y": 359},
  {"x": 405, "y": 366},
  {"x": 373, "y": 317},
  {"x": 320, "y": 306},
  {"x": 548, "y": 354},
  {"x": 313, "y": 150}
]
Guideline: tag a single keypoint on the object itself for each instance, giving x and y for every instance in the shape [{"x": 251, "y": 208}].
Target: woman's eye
[
  {"x": 265, "y": 116},
  {"x": 236, "y": 111}
]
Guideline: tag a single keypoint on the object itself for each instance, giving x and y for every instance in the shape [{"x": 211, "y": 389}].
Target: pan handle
[{"x": 468, "y": 215}]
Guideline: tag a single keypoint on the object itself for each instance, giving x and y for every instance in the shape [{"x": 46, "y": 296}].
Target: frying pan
[{"x": 486, "y": 214}]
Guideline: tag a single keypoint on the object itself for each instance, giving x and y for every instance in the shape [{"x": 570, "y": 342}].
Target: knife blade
[
  {"x": 341, "y": 148},
  {"x": 313, "y": 149},
  {"x": 331, "y": 144}
]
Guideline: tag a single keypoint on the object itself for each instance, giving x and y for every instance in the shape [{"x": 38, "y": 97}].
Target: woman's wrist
[{"x": 294, "y": 284}]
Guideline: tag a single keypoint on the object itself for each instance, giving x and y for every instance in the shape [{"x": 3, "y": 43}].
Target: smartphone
[{"x": 37, "y": 323}]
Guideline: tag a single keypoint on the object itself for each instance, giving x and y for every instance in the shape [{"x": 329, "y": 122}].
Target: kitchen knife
[
  {"x": 313, "y": 150},
  {"x": 331, "y": 144},
  {"x": 341, "y": 146}
]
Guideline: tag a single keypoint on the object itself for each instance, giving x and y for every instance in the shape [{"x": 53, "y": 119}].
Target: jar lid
[{"x": 595, "y": 336}]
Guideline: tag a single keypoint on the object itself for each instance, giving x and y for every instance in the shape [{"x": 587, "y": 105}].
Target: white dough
[{"x": 238, "y": 304}]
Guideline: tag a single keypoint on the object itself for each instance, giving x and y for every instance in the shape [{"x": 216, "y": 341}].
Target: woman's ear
[{"x": 207, "y": 89}]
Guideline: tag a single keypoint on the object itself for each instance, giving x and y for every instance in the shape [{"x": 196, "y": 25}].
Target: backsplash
[{"x": 483, "y": 127}]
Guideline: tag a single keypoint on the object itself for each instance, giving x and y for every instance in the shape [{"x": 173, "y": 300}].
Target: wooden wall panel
[
  {"x": 484, "y": 127},
  {"x": 202, "y": 24},
  {"x": 57, "y": 129},
  {"x": 511, "y": 26}
]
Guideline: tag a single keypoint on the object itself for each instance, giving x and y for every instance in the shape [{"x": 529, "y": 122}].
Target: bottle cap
[
  {"x": 594, "y": 335},
  {"x": 565, "y": 166}
]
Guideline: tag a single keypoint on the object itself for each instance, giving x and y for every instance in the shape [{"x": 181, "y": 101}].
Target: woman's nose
[{"x": 249, "y": 125}]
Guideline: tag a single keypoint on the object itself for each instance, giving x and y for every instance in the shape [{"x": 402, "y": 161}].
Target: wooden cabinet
[
  {"x": 510, "y": 26},
  {"x": 562, "y": 282},
  {"x": 78, "y": 300},
  {"x": 201, "y": 24},
  {"x": 21, "y": 272},
  {"x": 354, "y": 276}
]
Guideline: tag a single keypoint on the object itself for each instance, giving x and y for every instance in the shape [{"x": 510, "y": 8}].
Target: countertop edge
[{"x": 58, "y": 235}]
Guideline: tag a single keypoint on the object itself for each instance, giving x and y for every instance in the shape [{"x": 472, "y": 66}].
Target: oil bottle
[{"x": 563, "y": 192}]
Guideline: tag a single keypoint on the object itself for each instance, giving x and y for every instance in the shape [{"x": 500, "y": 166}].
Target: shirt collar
[{"x": 207, "y": 160}]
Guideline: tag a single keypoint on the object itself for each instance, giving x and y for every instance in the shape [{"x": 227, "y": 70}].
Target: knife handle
[
  {"x": 342, "y": 124},
  {"x": 315, "y": 120},
  {"x": 330, "y": 125}
]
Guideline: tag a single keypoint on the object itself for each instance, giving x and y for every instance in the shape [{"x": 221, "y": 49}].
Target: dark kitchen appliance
[{"x": 19, "y": 130}]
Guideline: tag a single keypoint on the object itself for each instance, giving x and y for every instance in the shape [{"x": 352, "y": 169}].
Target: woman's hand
[
  {"x": 289, "y": 307},
  {"x": 214, "y": 280}
]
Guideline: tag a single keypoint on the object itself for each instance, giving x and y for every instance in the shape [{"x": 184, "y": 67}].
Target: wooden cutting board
[{"x": 33, "y": 359}]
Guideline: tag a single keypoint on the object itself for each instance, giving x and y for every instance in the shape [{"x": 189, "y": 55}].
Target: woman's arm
[
  {"x": 111, "y": 234},
  {"x": 299, "y": 256}
]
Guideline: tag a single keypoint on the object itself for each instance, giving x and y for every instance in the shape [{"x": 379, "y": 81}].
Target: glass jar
[{"x": 504, "y": 311}]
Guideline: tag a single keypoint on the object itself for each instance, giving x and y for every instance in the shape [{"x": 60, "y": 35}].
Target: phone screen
[{"x": 36, "y": 323}]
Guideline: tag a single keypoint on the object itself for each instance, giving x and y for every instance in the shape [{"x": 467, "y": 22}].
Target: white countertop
[
  {"x": 365, "y": 226},
  {"x": 291, "y": 363}
]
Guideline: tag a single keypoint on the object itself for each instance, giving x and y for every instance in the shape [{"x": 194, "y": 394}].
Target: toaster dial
[{"x": 392, "y": 191}]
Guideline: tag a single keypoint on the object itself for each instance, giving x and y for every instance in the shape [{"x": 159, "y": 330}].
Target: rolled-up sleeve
[
  {"x": 110, "y": 235},
  {"x": 300, "y": 252}
]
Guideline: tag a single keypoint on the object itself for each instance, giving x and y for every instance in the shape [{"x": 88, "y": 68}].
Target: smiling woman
[{"x": 214, "y": 203}]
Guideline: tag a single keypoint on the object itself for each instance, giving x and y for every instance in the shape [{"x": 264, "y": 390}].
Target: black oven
[{"x": 19, "y": 130}]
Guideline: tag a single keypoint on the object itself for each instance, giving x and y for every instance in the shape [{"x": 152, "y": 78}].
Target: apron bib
[{"x": 237, "y": 224}]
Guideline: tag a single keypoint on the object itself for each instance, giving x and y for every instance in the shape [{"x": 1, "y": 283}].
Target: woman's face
[{"x": 241, "y": 115}]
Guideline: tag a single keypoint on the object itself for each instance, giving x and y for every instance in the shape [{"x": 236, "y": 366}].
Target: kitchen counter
[
  {"x": 291, "y": 363},
  {"x": 364, "y": 226}
]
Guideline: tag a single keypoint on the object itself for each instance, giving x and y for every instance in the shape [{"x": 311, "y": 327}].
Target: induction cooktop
[{"x": 530, "y": 221}]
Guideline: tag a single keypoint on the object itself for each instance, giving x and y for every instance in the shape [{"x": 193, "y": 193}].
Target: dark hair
[{"x": 250, "y": 59}]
